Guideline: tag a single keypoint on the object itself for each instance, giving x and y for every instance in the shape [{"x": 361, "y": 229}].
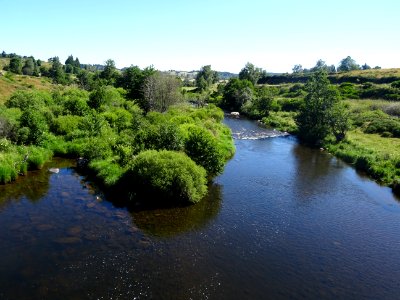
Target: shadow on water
[
  {"x": 168, "y": 222},
  {"x": 32, "y": 186},
  {"x": 164, "y": 220}
]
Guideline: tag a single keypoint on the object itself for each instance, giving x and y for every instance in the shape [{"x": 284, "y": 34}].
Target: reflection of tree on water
[
  {"x": 314, "y": 171},
  {"x": 33, "y": 186},
  {"x": 173, "y": 221}
]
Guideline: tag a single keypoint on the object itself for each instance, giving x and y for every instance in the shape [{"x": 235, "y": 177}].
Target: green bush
[
  {"x": 25, "y": 100},
  {"x": 290, "y": 104},
  {"x": 378, "y": 122},
  {"x": 164, "y": 178},
  {"x": 7, "y": 173},
  {"x": 108, "y": 171},
  {"x": 35, "y": 126},
  {"x": 349, "y": 90},
  {"x": 118, "y": 118},
  {"x": 63, "y": 125},
  {"x": 395, "y": 84},
  {"x": 36, "y": 157},
  {"x": 283, "y": 121},
  {"x": 202, "y": 147},
  {"x": 105, "y": 96},
  {"x": 159, "y": 136}
]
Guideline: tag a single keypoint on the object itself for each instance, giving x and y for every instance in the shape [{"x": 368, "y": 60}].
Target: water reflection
[
  {"x": 169, "y": 222},
  {"x": 32, "y": 186}
]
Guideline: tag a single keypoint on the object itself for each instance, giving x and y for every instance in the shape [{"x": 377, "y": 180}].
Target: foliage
[
  {"x": 159, "y": 135},
  {"x": 349, "y": 90},
  {"x": 111, "y": 133},
  {"x": 202, "y": 147},
  {"x": 160, "y": 92},
  {"x": 110, "y": 73},
  {"x": 107, "y": 171},
  {"x": 321, "y": 105},
  {"x": 16, "y": 65},
  {"x": 205, "y": 78},
  {"x": 375, "y": 155},
  {"x": 56, "y": 72},
  {"x": 64, "y": 125},
  {"x": 34, "y": 126},
  {"x": 236, "y": 93},
  {"x": 378, "y": 122},
  {"x": 164, "y": 177},
  {"x": 132, "y": 80},
  {"x": 282, "y": 121},
  {"x": 348, "y": 64},
  {"x": 251, "y": 73},
  {"x": 25, "y": 100},
  {"x": 75, "y": 102}
]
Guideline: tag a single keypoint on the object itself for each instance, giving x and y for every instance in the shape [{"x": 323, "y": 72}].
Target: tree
[
  {"x": 85, "y": 80},
  {"x": 339, "y": 121},
  {"x": 297, "y": 69},
  {"x": 3, "y": 54},
  {"x": 331, "y": 69},
  {"x": 29, "y": 67},
  {"x": 56, "y": 71},
  {"x": 205, "y": 78},
  {"x": 132, "y": 80},
  {"x": 365, "y": 67},
  {"x": 109, "y": 73},
  {"x": 70, "y": 60},
  {"x": 322, "y": 113},
  {"x": 16, "y": 65},
  {"x": 160, "y": 91},
  {"x": 251, "y": 73},
  {"x": 236, "y": 93},
  {"x": 348, "y": 64},
  {"x": 320, "y": 66}
]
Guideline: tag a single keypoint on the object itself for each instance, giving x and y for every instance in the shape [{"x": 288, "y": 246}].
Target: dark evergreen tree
[{"x": 16, "y": 65}]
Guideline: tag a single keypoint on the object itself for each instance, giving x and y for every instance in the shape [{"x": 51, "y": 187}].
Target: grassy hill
[
  {"x": 377, "y": 76},
  {"x": 9, "y": 83}
]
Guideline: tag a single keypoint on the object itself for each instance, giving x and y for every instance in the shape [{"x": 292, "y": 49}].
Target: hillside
[
  {"x": 9, "y": 83},
  {"x": 378, "y": 76}
]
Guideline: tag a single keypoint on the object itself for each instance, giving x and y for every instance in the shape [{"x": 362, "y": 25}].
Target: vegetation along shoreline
[{"x": 158, "y": 136}]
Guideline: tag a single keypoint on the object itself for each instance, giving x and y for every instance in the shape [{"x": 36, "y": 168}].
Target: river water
[{"x": 282, "y": 222}]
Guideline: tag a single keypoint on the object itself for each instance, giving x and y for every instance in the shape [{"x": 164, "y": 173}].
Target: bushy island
[{"x": 164, "y": 151}]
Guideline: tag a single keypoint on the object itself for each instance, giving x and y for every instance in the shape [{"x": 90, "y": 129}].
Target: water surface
[{"x": 282, "y": 222}]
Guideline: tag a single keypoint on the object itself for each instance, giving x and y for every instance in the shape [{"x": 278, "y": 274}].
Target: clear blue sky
[{"x": 185, "y": 35}]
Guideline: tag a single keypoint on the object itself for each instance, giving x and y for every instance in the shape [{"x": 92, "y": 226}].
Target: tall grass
[{"x": 376, "y": 156}]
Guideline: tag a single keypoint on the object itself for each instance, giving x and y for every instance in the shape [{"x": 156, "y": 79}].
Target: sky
[{"x": 188, "y": 34}]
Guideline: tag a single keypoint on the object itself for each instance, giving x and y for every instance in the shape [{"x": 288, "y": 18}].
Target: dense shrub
[
  {"x": 283, "y": 121},
  {"x": 64, "y": 125},
  {"x": 159, "y": 136},
  {"x": 380, "y": 92},
  {"x": 74, "y": 102},
  {"x": 164, "y": 178},
  {"x": 33, "y": 125},
  {"x": 105, "y": 96},
  {"x": 118, "y": 118},
  {"x": 107, "y": 171},
  {"x": 378, "y": 122},
  {"x": 395, "y": 84},
  {"x": 202, "y": 147},
  {"x": 25, "y": 100},
  {"x": 290, "y": 104},
  {"x": 349, "y": 91}
]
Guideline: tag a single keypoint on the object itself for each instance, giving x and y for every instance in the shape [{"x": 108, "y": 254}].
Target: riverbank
[{"x": 377, "y": 156}]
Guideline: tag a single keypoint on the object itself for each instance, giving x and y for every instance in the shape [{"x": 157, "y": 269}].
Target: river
[{"x": 282, "y": 222}]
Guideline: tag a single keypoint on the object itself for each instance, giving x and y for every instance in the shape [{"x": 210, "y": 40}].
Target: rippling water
[{"x": 282, "y": 222}]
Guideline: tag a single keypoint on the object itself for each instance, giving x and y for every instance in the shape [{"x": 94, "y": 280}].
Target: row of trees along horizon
[{"x": 305, "y": 103}]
